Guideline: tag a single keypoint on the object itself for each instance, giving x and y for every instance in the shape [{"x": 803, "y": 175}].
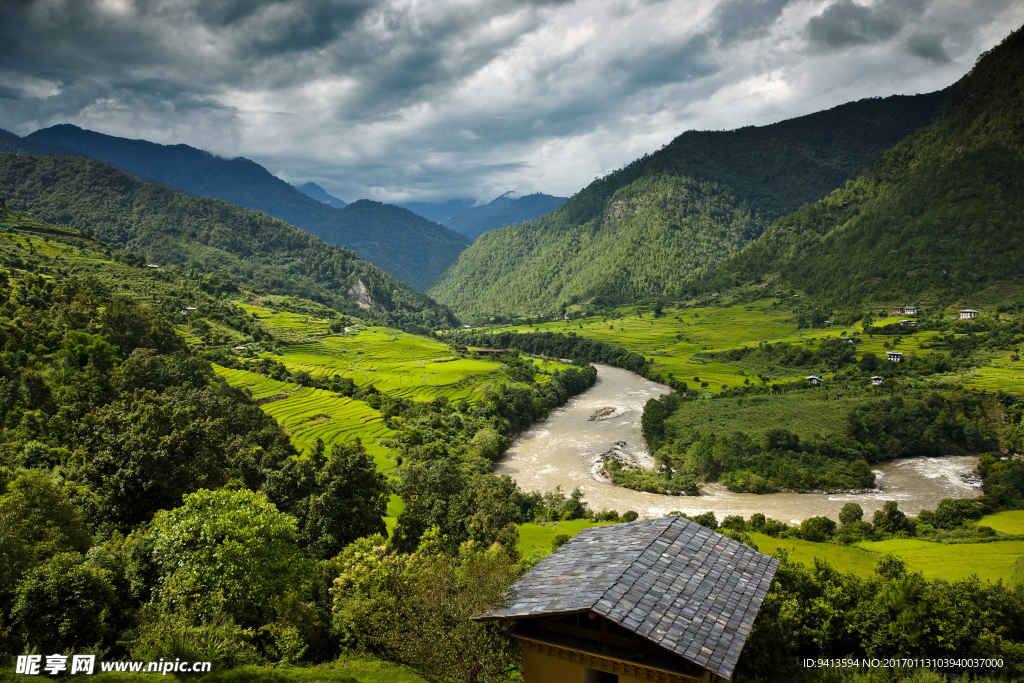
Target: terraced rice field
[{"x": 310, "y": 414}]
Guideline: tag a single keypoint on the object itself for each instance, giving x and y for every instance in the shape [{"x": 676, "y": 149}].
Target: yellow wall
[{"x": 543, "y": 668}]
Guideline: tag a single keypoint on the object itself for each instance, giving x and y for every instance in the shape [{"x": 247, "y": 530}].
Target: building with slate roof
[{"x": 658, "y": 600}]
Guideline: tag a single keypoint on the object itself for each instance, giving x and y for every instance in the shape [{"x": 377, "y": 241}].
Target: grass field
[
  {"x": 990, "y": 561},
  {"x": 536, "y": 538},
  {"x": 804, "y": 413},
  {"x": 845, "y": 558},
  {"x": 729, "y": 327},
  {"x": 1007, "y": 521}
]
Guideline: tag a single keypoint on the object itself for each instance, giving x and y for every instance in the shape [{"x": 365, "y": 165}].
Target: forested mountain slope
[
  {"x": 9, "y": 142},
  {"x": 206, "y": 234},
  {"x": 412, "y": 248},
  {"x": 941, "y": 212},
  {"x": 657, "y": 224}
]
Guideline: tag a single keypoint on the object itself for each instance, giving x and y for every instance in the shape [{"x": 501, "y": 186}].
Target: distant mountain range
[
  {"x": 320, "y": 194},
  {"x": 403, "y": 244},
  {"x": 472, "y": 221},
  {"x": 507, "y": 209},
  {"x": 439, "y": 212},
  {"x": 658, "y": 225},
  {"x": 208, "y": 236}
]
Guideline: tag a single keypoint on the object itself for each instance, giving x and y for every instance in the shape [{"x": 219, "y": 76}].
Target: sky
[{"x": 428, "y": 100}]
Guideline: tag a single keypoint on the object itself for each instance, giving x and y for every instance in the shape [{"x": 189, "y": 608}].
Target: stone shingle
[{"x": 672, "y": 581}]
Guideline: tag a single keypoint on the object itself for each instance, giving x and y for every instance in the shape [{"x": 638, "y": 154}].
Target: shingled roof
[{"x": 671, "y": 581}]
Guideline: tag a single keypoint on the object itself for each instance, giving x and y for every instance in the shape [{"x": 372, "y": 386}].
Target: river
[{"x": 561, "y": 451}]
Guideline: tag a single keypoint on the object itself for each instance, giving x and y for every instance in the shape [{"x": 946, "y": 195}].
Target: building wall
[{"x": 539, "y": 667}]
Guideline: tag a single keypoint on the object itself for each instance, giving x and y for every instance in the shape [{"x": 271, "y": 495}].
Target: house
[
  {"x": 910, "y": 310},
  {"x": 968, "y": 313},
  {"x": 239, "y": 348},
  {"x": 814, "y": 379},
  {"x": 908, "y": 323},
  {"x": 152, "y": 266},
  {"x": 876, "y": 380},
  {"x": 655, "y": 600},
  {"x": 487, "y": 352},
  {"x": 895, "y": 356}
]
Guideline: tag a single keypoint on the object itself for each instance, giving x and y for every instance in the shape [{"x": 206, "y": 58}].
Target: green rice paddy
[
  {"x": 990, "y": 561},
  {"x": 1007, "y": 521}
]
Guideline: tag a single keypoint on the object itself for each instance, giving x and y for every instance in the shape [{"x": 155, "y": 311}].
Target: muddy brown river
[{"x": 561, "y": 451}]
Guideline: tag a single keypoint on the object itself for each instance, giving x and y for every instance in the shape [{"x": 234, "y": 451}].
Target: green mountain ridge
[
  {"x": 651, "y": 228},
  {"x": 939, "y": 213},
  {"x": 387, "y": 237},
  {"x": 208, "y": 235}
]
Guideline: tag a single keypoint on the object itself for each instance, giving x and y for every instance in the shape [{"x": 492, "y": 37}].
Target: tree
[
  {"x": 817, "y": 529},
  {"x": 890, "y": 519},
  {"x": 850, "y": 513},
  {"x": 38, "y": 519},
  {"x": 63, "y": 605},
  {"x": 351, "y": 501},
  {"x": 434, "y": 495},
  {"x": 226, "y": 549},
  {"x": 131, "y": 325},
  {"x": 415, "y": 609}
]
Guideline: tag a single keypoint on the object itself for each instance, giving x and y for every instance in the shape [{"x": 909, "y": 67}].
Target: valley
[{"x": 274, "y": 430}]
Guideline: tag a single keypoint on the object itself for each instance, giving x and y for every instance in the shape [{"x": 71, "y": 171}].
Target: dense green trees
[
  {"x": 938, "y": 213},
  {"x": 399, "y": 242},
  {"x": 650, "y": 229}
]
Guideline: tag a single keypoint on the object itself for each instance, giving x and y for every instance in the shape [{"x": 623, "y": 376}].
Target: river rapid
[{"x": 561, "y": 451}]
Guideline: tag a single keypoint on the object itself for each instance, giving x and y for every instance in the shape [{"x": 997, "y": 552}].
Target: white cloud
[{"x": 407, "y": 99}]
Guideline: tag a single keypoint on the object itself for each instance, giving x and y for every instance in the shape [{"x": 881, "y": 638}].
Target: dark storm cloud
[
  {"x": 929, "y": 46},
  {"x": 398, "y": 99},
  {"x": 747, "y": 19},
  {"x": 846, "y": 23}
]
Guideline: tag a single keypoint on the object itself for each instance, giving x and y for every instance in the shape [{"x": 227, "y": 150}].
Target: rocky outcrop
[{"x": 361, "y": 295}]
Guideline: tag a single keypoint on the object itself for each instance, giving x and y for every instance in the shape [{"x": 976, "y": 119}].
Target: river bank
[{"x": 562, "y": 450}]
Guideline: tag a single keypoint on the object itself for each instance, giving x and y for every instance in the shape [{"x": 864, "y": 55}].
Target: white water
[{"x": 561, "y": 450}]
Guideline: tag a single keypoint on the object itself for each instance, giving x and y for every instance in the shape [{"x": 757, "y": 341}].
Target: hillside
[
  {"x": 207, "y": 235},
  {"x": 939, "y": 213},
  {"x": 320, "y": 194},
  {"x": 9, "y": 142},
  {"x": 736, "y": 183},
  {"x": 413, "y": 249}
]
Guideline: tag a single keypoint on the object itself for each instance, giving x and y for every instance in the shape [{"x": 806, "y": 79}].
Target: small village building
[
  {"x": 814, "y": 379},
  {"x": 908, "y": 323},
  {"x": 910, "y": 310},
  {"x": 488, "y": 352},
  {"x": 876, "y": 380},
  {"x": 968, "y": 313},
  {"x": 895, "y": 356},
  {"x": 152, "y": 266},
  {"x": 657, "y": 600}
]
